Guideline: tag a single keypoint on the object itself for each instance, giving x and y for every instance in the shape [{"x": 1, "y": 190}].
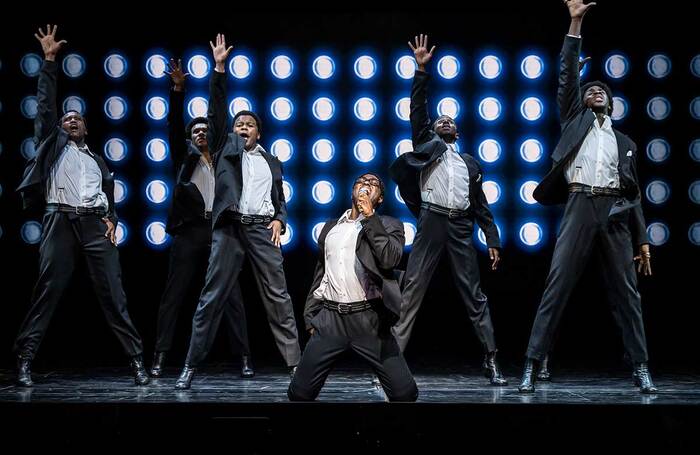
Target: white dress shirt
[
  {"x": 596, "y": 161},
  {"x": 203, "y": 178},
  {"x": 446, "y": 181},
  {"x": 75, "y": 179},
  {"x": 257, "y": 184}
]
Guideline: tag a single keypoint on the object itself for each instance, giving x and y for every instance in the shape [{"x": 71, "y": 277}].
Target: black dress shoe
[
  {"x": 185, "y": 379},
  {"x": 642, "y": 378},
  {"x": 140, "y": 375},
  {"x": 376, "y": 383},
  {"x": 543, "y": 373},
  {"x": 492, "y": 371},
  {"x": 527, "y": 384},
  {"x": 24, "y": 372},
  {"x": 247, "y": 367},
  {"x": 158, "y": 364}
]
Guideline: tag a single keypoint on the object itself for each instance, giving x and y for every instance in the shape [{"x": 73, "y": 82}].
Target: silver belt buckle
[
  {"x": 593, "y": 191},
  {"x": 344, "y": 308},
  {"x": 246, "y": 219}
]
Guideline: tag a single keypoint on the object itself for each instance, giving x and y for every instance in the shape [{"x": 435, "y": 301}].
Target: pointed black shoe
[
  {"x": 642, "y": 378},
  {"x": 158, "y": 364},
  {"x": 527, "y": 384},
  {"x": 185, "y": 379},
  {"x": 492, "y": 371},
  {"x": 543, "y": 373},
  {"x": 247, "y": 367},
  {"x": 24, "y": 372},
  {"x": 140, "y": 375}
]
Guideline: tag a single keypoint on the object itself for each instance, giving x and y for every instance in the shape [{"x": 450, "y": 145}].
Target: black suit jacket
[
  {"x": 228, "y": 148},
  {"x": 187, "y": 202},
  {"x": 379, "y": 249},
  {"x": 50, "y": 140},
  {"x": 576, "y": 121},
  {"x": 428, "y": 147}
]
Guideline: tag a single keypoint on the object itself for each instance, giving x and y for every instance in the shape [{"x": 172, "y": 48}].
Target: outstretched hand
[
  {"x": 420, "y": 51},
  {"x": 177, "y": 75},
  {"x": 220, "y": 52},
  {"x": 48, "y": 42}
]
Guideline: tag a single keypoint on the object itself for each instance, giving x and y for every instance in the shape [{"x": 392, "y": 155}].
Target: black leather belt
[
  {"x": 594, "y": 190},
  {"x": 251, "y": 219},
  {"x": 451, "y": 213},
  {"x": 348, "y": 308},
  {"x": 65, "y": 208}
]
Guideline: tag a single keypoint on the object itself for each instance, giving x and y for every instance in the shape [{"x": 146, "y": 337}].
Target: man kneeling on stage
[{"x": 355, "y": 299}]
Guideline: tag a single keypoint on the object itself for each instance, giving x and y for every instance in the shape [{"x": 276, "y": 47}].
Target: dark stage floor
[{"x": 81, "y": 408}]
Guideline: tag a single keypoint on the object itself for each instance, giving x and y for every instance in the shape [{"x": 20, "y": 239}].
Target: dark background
[{"x": 78, "y": 335}]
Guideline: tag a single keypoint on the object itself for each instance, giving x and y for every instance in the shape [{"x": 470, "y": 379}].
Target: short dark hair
[
  {"x": 192, "y": 123},
  {"x": 602, "y": 85},
  {"x": 258, "y": 122}
]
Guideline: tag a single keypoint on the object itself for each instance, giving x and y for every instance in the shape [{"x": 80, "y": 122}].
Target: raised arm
[
  {"x": 47, "y": 110},
  {"x": 569, "y": 92},
  {"x": 217, "y": 113},
  {"x": 421, "y": 130},
  {"x": 176, "y": 123}
]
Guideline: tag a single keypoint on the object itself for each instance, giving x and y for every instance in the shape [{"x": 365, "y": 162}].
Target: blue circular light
[
  {"x": 282, "y": 67},
  {"x": 198, "y": 66},
  {"x": 403, "y": 109},
  {"x": 28, "y": 149},
  {"x": 115, "y": 66},
  {"x": 364, "y": 150},
  {"x": 490, "y": 67},
  {"x": 658, "y": 233},
  {"x": 694, "y": 150},
  {"x": 658, "y": 108},
  {"x": 365, "y": 109},
  {"x": 316, "y": 231},
  {"x": 282, "y": 149},
  {"x": 323, "y": 150},
  {"x": 403, "y": 146},
  {"x": 323, "y": 109},
  {"x": 617, "y": 66},
  {"x": 29, "y": 106},
  {"x": 482, "y": 237},
  {"x": 397, "y": 195},
  {"x": 406, "y": 67},
  {"x": 526, "y": 190},
  {"x": 157, "y": 108},
  {"x": 155, "y": 233},
  {"x": 490, "y": 109},
  {"x": 531, "y": 108},
  {"x": 30, "y": 65},
  {"x": 282, "y": 108},
  {"x": 31, "y": 232},
  {"x": 74, "y": 65},
  {"x": 115, "y": 108},
  {"x": 532, "y": 67},
  {"x": 492, "y": 191},
  {"x": 288, "y": 235},
  {"x": 121, "y": 233},
  {"x": 695, "y": 108},
  {"x": 288, "y": 191},
  {"x": 530, "y": 234},
  {"x": 197, "y": 107},
  {"x": 448, "y": 67},
  {"x": 240, "y": 67},
  {"x": 115, "y": 149},
  {"x": 156, "y": 66},
  {"x": 323, "y": 192},
  {"x": 409, "y": 232},
  {"x": 658, "y": 150},
  {"x": 120, "y": 191},
  {"x": 323, "y": 67},
  {"x": 658, "y": 192},
  {"x": 490, "y": 150},
  {"x": 365, "y": 67},
  {"x": 74, "y": 103},
  {"x": 448, "y": 106},
  {"x": 659, "y": 66},
  {"x": 157, "y": 149},
  {"x": 531, "y": 150},
  {"x": 694, "y": 234},
  {"x": 620, "y": 108},
  {"x": 695, "y": 66},
  {"x": 238, "y": 104},
  {"x": 157, "y": 191},
  {"x": 694, "y": 192}
]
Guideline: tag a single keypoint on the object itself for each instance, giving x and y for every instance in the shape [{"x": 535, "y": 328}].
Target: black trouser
[
  {"x": 189, "y": 256},
  {"x": 231, "y": 242},
  {"x": 586, "y": 228},
  {"x": 435, "y": 234},
  {"x": 364, "y": 333},
  {"x": 64, "y": 238}
]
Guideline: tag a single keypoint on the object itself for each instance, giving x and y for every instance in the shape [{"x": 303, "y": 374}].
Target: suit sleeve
[
  {"x": 569, "y": 91},
  {"x": 482, "y": 214},
  {"x": 314, "y": 305},
  {"x": 176, "y": 128},
  {"x": 421, "y": 131},
  {"x": 217, "y": 114},
  {"x": 281, "y": 214},
  {"x": 638, "y": 226},
  {"x": 47, "y": 110},
  {"x": 386, "y": 242}
]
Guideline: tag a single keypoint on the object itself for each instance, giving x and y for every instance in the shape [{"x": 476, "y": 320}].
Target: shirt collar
[
  {"x": 84, "y": 148},
  {"x": 345, "y": 218},
  {"x": 256, "y": 151}
]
